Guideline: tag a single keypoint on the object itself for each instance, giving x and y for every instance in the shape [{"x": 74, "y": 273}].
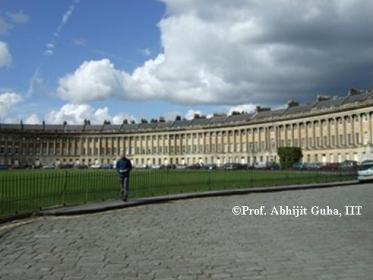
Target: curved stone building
[{"x": 327, "y": 130}]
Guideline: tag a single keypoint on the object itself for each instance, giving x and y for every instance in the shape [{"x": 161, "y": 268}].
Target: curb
[{"x": 113, "y": 205}]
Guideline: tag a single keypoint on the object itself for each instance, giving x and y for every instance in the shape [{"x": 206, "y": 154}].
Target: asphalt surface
[{"x": 201, "y": 238}]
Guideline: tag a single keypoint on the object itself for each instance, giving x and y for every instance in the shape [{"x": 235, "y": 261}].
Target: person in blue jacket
[{"x": 124, "y": 168}]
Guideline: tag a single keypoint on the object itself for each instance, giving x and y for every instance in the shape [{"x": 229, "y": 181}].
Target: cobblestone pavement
[{"x": 198, "y": 239}]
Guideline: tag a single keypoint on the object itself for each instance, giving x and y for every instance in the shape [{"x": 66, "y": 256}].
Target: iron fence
[{"x": 32, "y": 190}]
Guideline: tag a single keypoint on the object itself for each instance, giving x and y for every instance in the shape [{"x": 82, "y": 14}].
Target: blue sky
[{"x": 71, "y": 59}]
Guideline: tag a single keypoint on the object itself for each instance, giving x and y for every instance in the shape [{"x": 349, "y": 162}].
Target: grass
[{"x": 26, "y": 191}]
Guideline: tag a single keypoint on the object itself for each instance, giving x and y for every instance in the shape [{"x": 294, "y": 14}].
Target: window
[{"x": 366, "y": 138}]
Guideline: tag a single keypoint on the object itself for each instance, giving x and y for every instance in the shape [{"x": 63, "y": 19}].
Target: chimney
[
  {"x": 162, "y": 120},
  {"x": 320, "y": 98},
  {"x": 292, "y": 103},
  {"x": 43, "y": 123},
  {"x": 219, "y": 115},
  {"x": 178, "y": 118},
  {"x": 262, "y": 109},
  {"x": 354, "y": 91},
  {"x": 125, "y": 121}
]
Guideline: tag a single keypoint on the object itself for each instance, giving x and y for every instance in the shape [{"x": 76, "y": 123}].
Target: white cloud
[
  {"x": 49, "y": 52},
  {"x": 15, "y": 18},
  {"x": 77, "y": 113},
  {"x": 93, "y": 80},
  {"x": 67, "y": 14},
  {"x": 79, "y": 41},
  {"x": 64, "y": 20},
  {"x": 18, "y": 17},
  {"x": 190, "y": 114},
  {"x": 7, "y": 101},
  {"x": 32, "y": 119},
  {"x": 146, "y": 52},
  {"x": 37, "y": 85},
  {"x": 242, "y": 52},
  {"x": 5, "y": 56},
  {"x": 247, "y": 108},
  {"x": 248, "y": 51}
]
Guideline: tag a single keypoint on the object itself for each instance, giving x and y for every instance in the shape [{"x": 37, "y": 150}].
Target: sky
[{"x": 71, "y": 60}]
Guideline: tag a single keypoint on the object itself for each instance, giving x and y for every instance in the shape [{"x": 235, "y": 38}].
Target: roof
[{"x": 218, "y": 119}]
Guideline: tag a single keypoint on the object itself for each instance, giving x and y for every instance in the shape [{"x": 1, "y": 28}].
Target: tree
[{"x": 289, "y": 156}]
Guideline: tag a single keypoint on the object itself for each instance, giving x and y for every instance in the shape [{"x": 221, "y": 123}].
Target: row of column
[{"x": 308, "y": 134}]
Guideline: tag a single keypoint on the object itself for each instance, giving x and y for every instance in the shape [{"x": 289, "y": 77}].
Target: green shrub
[{"x": 289, "y": 156}]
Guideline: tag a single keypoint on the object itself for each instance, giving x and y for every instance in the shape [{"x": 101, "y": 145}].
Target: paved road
[{"x": 199, "y": 239}]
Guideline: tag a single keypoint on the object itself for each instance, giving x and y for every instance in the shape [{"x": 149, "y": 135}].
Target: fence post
[
  {"x": 86, "y": 188},
  {"x": 64, "y": 188},
  {"x": 209, "y": 177}
]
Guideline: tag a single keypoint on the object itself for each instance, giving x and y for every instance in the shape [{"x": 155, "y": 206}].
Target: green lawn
[{"x": 30, "y": 190}]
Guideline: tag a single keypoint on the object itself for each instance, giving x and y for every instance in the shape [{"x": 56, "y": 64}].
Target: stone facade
[{"x": 327, "y": 130}]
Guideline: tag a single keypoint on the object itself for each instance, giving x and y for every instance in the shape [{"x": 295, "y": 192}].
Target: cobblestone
[{"x": 198, "y": 239}]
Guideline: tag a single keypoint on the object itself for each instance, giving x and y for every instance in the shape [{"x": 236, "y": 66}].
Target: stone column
[
  {"x": 253, "y": 140},
  {"x": 361, "y": 134},
  {"x": 292, "y": 128},
  {"x": 286, "y": 137},
  {"x": 47, "y": 152},
  {"x": 370, "y": 127},
  {"x": 81, "y": 146},
  {"x": 313, "y": 134},
  {"x": 329, "y": 135},
  {"x": 336, "y": 124},
  {"x": 321, "y": 126},
  {"x": 353, "y": 136},
  {"x": 344, "y": 132},
  {"x": 86, "y": 144}
]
